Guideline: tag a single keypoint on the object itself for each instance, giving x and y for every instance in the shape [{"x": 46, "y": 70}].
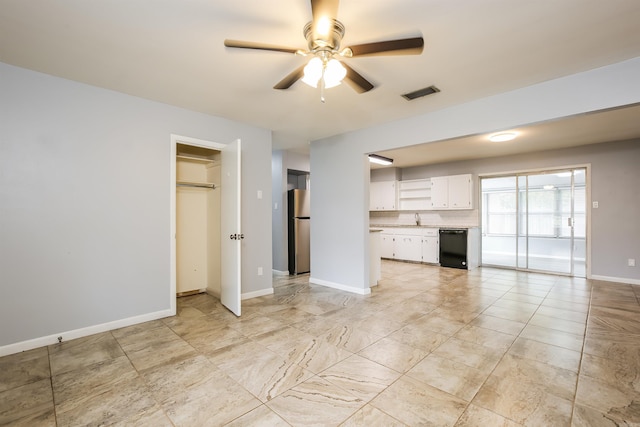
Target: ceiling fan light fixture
[
  {"x": 333, "y": 72},
  {"x": 313, "y": 72},
  {"x": 323, "y": 27}
]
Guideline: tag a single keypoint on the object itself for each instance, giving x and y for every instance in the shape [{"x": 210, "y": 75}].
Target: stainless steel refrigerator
[{"x": 299, "y": 231}]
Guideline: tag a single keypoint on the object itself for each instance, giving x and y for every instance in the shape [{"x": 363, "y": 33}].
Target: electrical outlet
[
  {"x": 595, "y": 205},
  {"x": 259, "y": 271},
  {"x": 631, "y": 262}
]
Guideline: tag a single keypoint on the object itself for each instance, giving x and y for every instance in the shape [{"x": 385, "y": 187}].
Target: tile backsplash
[{"x": 462, "y": 218}]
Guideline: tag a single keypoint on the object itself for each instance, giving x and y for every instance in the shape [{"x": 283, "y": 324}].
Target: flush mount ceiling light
[
  {"x": 381, "y": 160},
  {"x": 503, "y": 136}
]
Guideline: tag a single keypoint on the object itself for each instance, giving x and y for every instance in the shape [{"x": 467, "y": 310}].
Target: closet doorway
[
  {"x": 536, "y": 221},
  {"x": 197, "y": 220},
  {"x": 205, "y": 218}
]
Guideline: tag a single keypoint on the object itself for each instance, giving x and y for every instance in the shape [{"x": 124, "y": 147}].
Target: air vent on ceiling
[{"x": 420, "y": 93}]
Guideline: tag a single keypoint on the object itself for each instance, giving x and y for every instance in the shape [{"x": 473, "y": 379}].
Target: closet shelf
[
  {"x": 196, "y": 184},
  {"x": 194, "y": 159}
]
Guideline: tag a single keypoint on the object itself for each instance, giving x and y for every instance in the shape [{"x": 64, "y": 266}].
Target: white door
[
  {"x": 386, "y": 245},
  {"x": 536, "y": 221},
  {"x": 408, "y": 248},
  {"x": 230, "y": 223},
  {"x": 459, "y": 192},
  {"x": 440, "y": 192},
  {"x": 430, "y": 250}
]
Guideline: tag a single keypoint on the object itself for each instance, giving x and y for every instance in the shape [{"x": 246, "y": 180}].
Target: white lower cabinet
[
  {"x": 386, "y": 245},
  {"x": 431, "y": 250},
  {"x": 408, "y": 247},
  {"x": 411, "y": 244}
]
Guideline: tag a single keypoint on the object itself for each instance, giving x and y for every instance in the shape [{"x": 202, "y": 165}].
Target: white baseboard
[
  {"x": 339, "y": 286},
  {"x": 215, "y": 294},
  {"x": 616, "y": 279},
  {"x": 280, "y": 273},
  {"x": 82, "y": 332},
  {"x": 256, "y": 294}
]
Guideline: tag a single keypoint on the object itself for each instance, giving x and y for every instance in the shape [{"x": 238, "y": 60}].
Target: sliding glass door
[{"x": 535, "y": 221}]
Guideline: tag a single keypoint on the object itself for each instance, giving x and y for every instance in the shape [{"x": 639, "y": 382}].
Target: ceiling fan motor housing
[{"x": 330, "y": 41}]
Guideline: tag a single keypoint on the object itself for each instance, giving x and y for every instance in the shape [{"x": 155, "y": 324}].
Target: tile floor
[{"x": 429, "y": 347}]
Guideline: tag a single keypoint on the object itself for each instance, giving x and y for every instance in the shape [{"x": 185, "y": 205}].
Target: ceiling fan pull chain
[{"x": 321, "y": 82}]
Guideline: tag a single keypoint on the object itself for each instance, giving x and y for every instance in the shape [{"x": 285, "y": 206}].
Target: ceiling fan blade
[
  {"x": 356, "y": 81},
  {"x": 293, "y": 77},
  {"x": 410, "y": 46},
  {"x": 259, "y": 46}
]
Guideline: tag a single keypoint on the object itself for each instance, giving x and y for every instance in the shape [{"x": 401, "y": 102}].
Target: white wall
[
  {"x": 84, "y": 204},
  {"x": 615, "y": 174},
  {"x": 340, "y": 175}
]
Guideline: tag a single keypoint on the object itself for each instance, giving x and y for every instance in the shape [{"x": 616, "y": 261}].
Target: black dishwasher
[{"x": 453, "y": 248}]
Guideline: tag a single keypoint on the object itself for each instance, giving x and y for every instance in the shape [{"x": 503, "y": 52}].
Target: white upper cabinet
[
  {"x": 452, "y": 192},
  {"x": 440, "y": 192},
  {"x": 437, "y": 193},
  {"x": 382, "y": 196},
  {"x": 460, "y": 192}
]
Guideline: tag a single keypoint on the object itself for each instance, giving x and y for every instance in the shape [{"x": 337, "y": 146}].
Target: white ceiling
[
  {"x": 605, "y": 126},
  {"x": 172, "y": 51}
]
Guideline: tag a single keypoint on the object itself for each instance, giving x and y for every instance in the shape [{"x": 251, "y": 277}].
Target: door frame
[
  {"x": 175, "y": 140},
  {"x": 586, "y": 166}
]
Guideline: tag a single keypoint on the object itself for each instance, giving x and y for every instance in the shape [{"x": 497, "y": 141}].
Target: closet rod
[{"x": 210, "y": 186}]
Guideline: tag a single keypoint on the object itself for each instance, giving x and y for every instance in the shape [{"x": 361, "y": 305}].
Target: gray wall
[
  {"x": 84, "y": 203},
  {"x": 341, "y": 175},
  {"x": 282, "y": 161},
  {"x": 615, "y": 174}
]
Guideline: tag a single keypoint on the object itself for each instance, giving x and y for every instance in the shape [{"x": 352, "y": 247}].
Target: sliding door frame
[{"x": 553, "y": 169}]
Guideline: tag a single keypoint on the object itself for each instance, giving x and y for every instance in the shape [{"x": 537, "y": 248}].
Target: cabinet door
[
  {"x": 408, "y": 248},
  {"x": 382, "y": 196},
  {"x": 440, "y": 192},
  {"x": 430, "y": 250},
  {"x": 386, "y": 245},
  {"x": 460, "y": 192}
]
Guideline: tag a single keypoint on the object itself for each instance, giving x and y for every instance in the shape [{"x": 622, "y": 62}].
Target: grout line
[
  {"x": 584, "y": 343},
  {"x": 53, "y": 397}
]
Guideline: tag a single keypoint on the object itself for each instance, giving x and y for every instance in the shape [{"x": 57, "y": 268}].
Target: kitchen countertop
[{"x": 422, "y": 226}]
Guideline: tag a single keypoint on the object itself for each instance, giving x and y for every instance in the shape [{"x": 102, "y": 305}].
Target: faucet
[{"x": 417, "y": 218}]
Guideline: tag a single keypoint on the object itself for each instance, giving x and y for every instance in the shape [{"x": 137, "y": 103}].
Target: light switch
[
  {"x": 595, "y": 205},
  {"x": 259, "y": 194}
]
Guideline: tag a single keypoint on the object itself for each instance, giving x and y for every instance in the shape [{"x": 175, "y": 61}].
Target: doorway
[
  {"x": 228, "y": 256},
  {"x": 197, "y": 220},
  {"x": 536, "y": 221}
]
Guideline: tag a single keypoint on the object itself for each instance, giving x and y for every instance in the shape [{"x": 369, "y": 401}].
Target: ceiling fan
[{"x": 324, "y": 34}]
